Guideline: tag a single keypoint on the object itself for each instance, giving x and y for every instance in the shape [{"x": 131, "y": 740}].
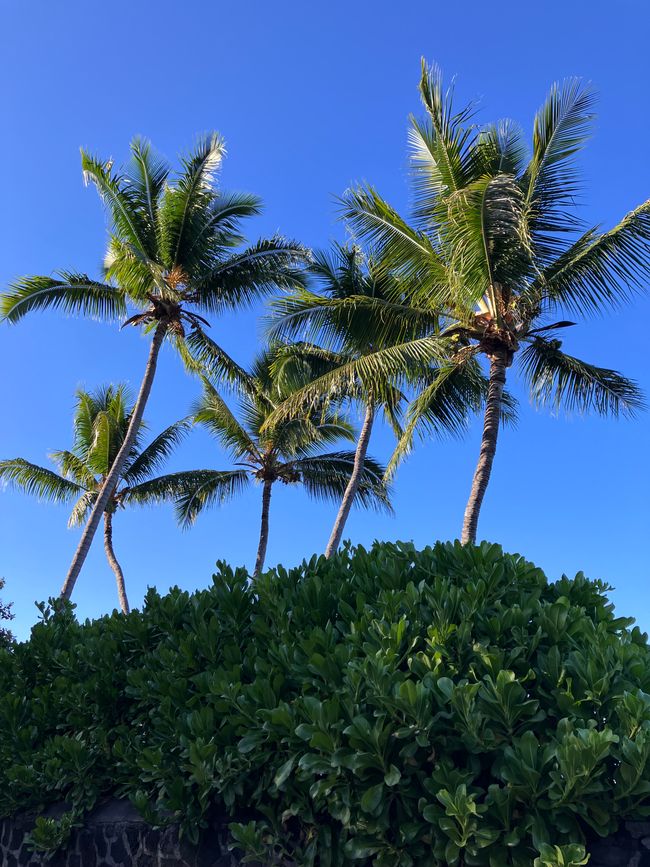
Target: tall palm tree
[
  {"x": 496, "y": 246},
  {"x": 363, "y": 317},
  {"x": 101, "y": 423},
  {"x": 171, "y": 255},
  {"x": 359, "y": 309},
  {"x": 288, "y": 451}
]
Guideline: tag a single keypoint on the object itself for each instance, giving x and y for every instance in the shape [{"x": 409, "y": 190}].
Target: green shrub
[
  {"x": 386, "y": 707},
  {"x": 5, "y": 614}
]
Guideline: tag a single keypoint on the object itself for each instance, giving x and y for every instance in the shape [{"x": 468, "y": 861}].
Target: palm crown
[
  {"x": 171, "y": 251},
  {"x": 101, "y": 421},
  {"x": 288, "y": 451},
  {"x": 172, "y": 254},
  {"x": 496, "y": 249}
]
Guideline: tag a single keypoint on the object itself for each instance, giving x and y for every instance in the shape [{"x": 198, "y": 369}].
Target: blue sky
[{"x": 310, "y": 98}]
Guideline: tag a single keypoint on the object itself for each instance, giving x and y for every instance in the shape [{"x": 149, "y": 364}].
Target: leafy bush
[
  {"x": 5, "y": 614},
  {"x": 386, "y": 707}
]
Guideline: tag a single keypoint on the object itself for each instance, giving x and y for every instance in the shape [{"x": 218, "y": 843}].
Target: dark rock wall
[{"x": 115, "y": 836}]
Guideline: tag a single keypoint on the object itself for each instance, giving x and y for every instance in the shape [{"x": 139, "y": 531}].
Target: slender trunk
[
  {"x": 264, "y": 530},
  {"x": 114, "y": 474},
  {"x": 112, "y": 559},
  {"x": 491, "y": 421},
  {"x": 353, "y": 484}
]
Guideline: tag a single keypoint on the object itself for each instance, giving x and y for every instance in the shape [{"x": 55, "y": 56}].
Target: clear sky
[{"x": 310, "y": 97}]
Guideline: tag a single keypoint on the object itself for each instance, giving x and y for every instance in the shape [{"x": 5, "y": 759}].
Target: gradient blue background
[{"x": 310, "y": 98}]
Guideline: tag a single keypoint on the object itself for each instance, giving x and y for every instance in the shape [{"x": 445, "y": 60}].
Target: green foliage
[
  {"x": 5, "y": 614},
  {"x": 387, "y": 706}
]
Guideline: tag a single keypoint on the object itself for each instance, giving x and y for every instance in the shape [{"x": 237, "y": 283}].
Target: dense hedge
[{"x": 388, "y": 707}]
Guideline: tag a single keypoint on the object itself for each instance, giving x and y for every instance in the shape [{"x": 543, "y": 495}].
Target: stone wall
[{"x": 115, "y": 836}]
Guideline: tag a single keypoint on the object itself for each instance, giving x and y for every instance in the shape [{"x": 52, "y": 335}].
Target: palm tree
[
  {"x": 496, "y": 247},
  {"x": 288, "y": 451},
  {"x": 171, "y": 254},
  {"x": 363, "y": 317},
  {"x": 101, "y": 423},
  {"x": 358, "y": 310}
]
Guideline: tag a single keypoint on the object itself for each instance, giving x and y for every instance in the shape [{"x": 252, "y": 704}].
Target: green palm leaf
[
  {"x": 561, "y": 128},
  {"x": 243, "y": 278},
  {"x": 326, "y": 477},
  {"x": 377, "y": 370},
  {"x": 147, "y": 175},
  {"x": 405, "y": 249},
  {"x": 184, "y": 202},
  {"x": 441, "y": 148},
  {"x": 99, "y": 454},
  {"x": 560, "y": 380},
  {"x": 192, "y": 491},
  {"x": 73, "y": 293},
  {"x": 213, "y": 413},
  {"x": 81, "y": 509},
  {"x": 205, "y": 357},
  {"x": 598, "y": 269},
  {"x": 72, "y": 467},
  {"x": 152, "y": 458},
  {"x": 38, "y": 481},
  {"x": 445, "y": 406},
  {"x": 221, "y": 218},
  {"x": 127, "y": 217}
]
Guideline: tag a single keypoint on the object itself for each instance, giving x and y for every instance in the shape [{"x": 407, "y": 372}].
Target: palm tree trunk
[
  {"x": 112, "y": 559},
  {"x": 353, "y": 484},
  {"x": 264, "y": 530},
  {"x": 491, "y": 421},
  {"x": 114, "y": 475}
]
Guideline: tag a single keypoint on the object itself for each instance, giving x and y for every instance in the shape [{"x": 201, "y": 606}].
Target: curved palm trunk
[
  {"x": 353, "y": 484},
  {"x": 112, "y": 559},
  {"x": 264, "y": 530},
  {"x": 491, "y": 421},
  {"x": 113, "y": 476}
]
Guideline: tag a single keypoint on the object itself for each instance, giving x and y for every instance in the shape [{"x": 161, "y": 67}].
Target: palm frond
[
  {"x": 598, "y": 270},
  {"x": 152, "y": 458},
  {"x": 72, "y": 467},
  {"x": 99, "y": 454},
  {"x": 559, "y": 380},
  {"x": 401, "y": 248},
  {"x": 192, "y": 491},
  {"x": 500, "y": 148},
  {"x": 443, "y": 407},
  {"x": 270, "y": 264},
  {"x": 134, "y": 272},
  {"x": 220, "y": 220},
  {"x": 213, "y": 413},
  {"x": 128, "y": 219},
  {"x": 440, "y": 147},
  {"x": 204, "y": 357},
  {"x": 561, "y": 128},
  {"x": 82, "y": 508},
  {"x": 484, "y": 232},
  {"x": 147, "y": 175},
  {"x": 377, "y": 371},
  {"x": 326, "y": 477},
  {"x": 295, "y": 365},
  {"x": 38, "y": 481},
  {"x": 351, "y": 324},
  {"x": 185, "y": 201},
  {"x": 73, "y": 293}
]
